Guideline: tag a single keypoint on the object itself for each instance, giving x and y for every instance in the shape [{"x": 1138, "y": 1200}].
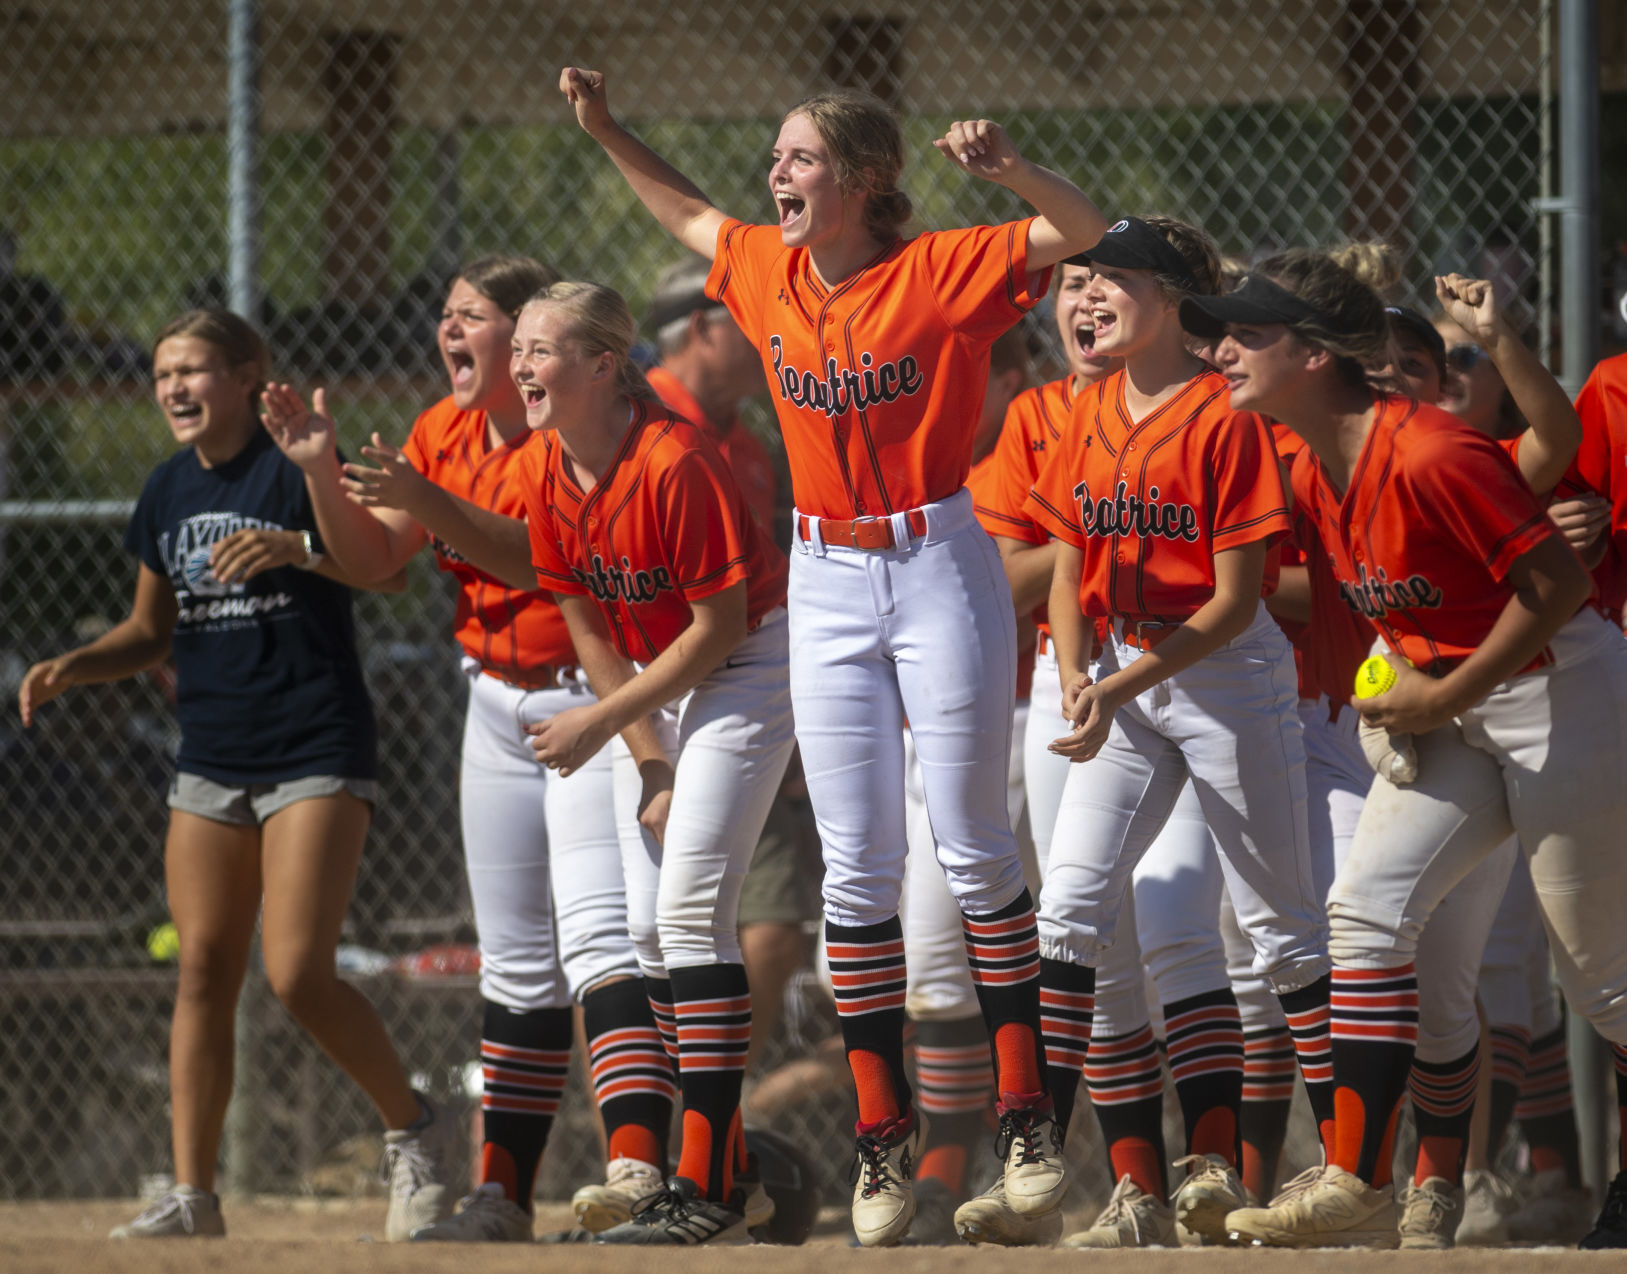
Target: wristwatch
[{"x": 313, "y": 559}]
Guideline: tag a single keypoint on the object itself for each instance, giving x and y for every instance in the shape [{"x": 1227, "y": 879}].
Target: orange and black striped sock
[
  {"x": 867, "y": 974},
  {"x": 1067, "y": 998},
  {"x": 1374, "y": 1030},
  {"x": 633, "y": 1080},
  {"x": 1510, "y": 1051},
  {"x": 1269, "y": 1070},
  {"x": 525, "y": 1058},
  {"x": 1126, "y": 1079},
  {"x": 1002, "y": 951},
  {"x": 1204, "y": 1038},
  {"x": 712, "y": 1004},
  {"x": 1307, "y": 1012},
  {"x": 1442, "y": 1108},
  {"x": 954, "y": 1079},
  {"x": 1546, "y": 1108}
]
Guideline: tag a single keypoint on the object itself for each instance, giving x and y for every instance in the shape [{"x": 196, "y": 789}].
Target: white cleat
[
  {"x": 630, "y": 1185},
  {"x": 1211, "y": 1192},
  {"x": 1131, "y": 1219},
  {"x": 884, "y": 1190},
  {"x": 1429, "y": 1215},
  {"x": 1335, "y": 1210},
  {"x": 486, "y": 1216},
  {"x": 989, "y": 1218},
  {"x": 415, "y": 1166},
  {"x": 1036, "y": 1175}
]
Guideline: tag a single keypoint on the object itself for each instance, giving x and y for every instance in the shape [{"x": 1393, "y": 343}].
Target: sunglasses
[{"x": 1462, "y": 358}]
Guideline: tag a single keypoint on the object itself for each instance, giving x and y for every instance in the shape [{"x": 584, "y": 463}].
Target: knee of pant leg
[
  {"x": 1184, "y": 961},
  {"x": 647, "y": 949},
  {"x": 524, "y": 990},
  {"x": 857, "y": 903},
  {"x": 1363, "y": 933},
  {"x": 989, "y": 887},
  {"x": 1446, "y": 1041},
  {"x": 1118, "y": 1011},
  {"x": 687, "y": 946},
  {"x": 1257, "y": 1007}
]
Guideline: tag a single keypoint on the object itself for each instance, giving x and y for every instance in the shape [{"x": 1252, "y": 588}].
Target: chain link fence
[{"x": 391, "y": 139}]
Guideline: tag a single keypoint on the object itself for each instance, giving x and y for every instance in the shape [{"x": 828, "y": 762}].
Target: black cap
[
  {"x": 670, "y": 308},
  {"x": 1131, "y": 244},
  {"x": 1254, "y": 300},
  {"x": 1416, "y": 324}
]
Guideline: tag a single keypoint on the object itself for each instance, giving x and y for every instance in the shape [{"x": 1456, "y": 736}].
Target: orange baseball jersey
[
  {"x": 746, "y": 457},
  {"x": 1598, "y": 469},
  {"x": 1151, "y": 503},
  {"x": 878, "y": 381},
  {"x": 1034, "y": 422},
  {"x": 1422, "y": 541},
  {"x": 664, "y": 525},
  {"x": 979, "y": 481},
  {"x": 507, "y": 630}
]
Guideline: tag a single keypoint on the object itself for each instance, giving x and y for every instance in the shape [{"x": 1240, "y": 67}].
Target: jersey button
[
  {"x": 831, "y": 346},
  {"x": 858, "y": 505}
]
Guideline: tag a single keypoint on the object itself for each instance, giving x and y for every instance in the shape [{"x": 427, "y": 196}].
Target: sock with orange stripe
[
  {"x": 1546, "y": 1108},
  {"x": 1002, "y": 950},
  {"x": 1510, "y": 1050},
  {"x": 659, "y": 993},
  {"x": 1067, "y": 998},
  {"x": 954, "y": 1079},
  {"x": 632, "y": 1075},
  {"x": 1442, "y": 1107},
  {"x": 867, "y": 974},
  {"x": 1307, "y": 1012},
  {"x": 525, "y": 1058},
  {"x": 1126, "y": 1080},
  {"x": 1374, "y": 1029},
  {"x": 1268, "y": 1096},
  {"x": 712, "y": 1004},
  {"x": 1204, "y": 1038}
]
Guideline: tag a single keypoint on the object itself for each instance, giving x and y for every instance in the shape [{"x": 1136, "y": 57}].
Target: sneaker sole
[
  {"x": 1206, "y": 1218},
  {"x": 1379, "y": 1240},
  {"x": 894, "y": 1234},
  {"x": 596, "y": 1215},
  {"x": 995, "y": 1233},
  {"x": 735, "y": 1235}
]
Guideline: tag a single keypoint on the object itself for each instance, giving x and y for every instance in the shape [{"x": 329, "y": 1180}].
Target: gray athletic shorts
[{"x": 250, "y": 805}]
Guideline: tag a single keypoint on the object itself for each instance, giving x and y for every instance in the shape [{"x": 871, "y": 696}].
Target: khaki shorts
[
  {"x": 251, "y": 804},
  {"x": 782, "y": 883}
]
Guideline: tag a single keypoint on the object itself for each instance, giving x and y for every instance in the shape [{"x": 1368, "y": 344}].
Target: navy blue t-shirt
[{"x": 269, "y": 687}]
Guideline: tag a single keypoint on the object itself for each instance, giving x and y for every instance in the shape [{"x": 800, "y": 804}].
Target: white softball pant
[
  {"x": 925, "y": 630},
  {"x": 1515, "y": 982},
  {"x": 1544, "y": 756},
  {"x": 729, "y": 740},
  {"x": 541, "y": 852},
  {"x": 938, "y": 982},
  {"x": 1169, "y": 922},
  {"x": 1229, "y": 724}
]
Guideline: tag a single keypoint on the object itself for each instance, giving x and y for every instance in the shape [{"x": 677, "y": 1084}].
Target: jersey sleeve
[
  {"x": 1052, "y": 503},
  {"x": 1001, "y": 498},
  {"x": 547, "y": 557},
  {"x": 702, "y": 514},
  {"x": 417, "y": 447},
  {"x": 1245, "y": 484},
  {"x": 980, "y": 276},
  {"x": 741, "y": 270},
  {"x": 1469, "y": 487}
]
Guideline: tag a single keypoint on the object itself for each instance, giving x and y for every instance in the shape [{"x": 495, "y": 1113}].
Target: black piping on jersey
[
  {"x": 679, "y": 586},
  {"x": 1132, "y": 431},
  {"x": 844, "y": 286}
]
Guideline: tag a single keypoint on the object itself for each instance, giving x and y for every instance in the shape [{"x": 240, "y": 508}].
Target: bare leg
[
  {"x": 772, "y": 952},
  {"x": 212, "y": 876},
  {"x": 311, "y": 852}
]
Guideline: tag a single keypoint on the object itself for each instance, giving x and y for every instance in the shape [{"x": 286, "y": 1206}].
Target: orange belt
[
  {"x": 861, "y": 533},
  {"x": 1142, "y": 634},
  {"x": 541, "y": 677}
]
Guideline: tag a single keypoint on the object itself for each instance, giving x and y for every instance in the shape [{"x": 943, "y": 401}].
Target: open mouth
[
  {"x": 185, "y": 412},
  {"x": 1105, "y": 321},
  {"x": 533, "y": 395},
  {"x": 791, "y": 209},
  {"x": 462, "y": 365},
  {"x": 1084, "y": 337}
]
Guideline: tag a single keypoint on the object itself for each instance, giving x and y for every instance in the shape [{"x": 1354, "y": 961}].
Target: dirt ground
[{"x": 279, "y": 1236}]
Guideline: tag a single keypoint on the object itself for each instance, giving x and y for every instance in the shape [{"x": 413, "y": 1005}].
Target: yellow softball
[
  {"x": 163, "y": 944},
  {"x": 1374, "y": 677}
]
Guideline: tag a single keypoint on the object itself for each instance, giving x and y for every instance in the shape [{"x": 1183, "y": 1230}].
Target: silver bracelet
[{"x": 313, "y": 558}]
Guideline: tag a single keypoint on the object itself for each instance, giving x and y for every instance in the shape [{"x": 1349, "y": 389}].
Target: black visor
[
  {"x": 680, "y": 306},
  {"x": 1414, "y": 324},
  {"x": 1255, "y": 300},
  {"x": 1132, "y": 244}
]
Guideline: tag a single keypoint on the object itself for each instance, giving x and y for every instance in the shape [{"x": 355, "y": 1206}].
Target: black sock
[
  {"x": 955, "y": 1087},
  {"x": 1307, "y": 1013},
  {"x": 867, "y": 972},
  {"x": 1204, "y": 1037},
  {"x": 525, "y": 1058},
  {"x": 1002, "y": 949},
  {"x": 1067, "y": 997},
  {"x": 632, "y": 1074},
  {"x": 1374, "y": 1035},
  {"x": 1126, "y": 1079},
  {"x": 1442, "y": 1109},
  {"x": 713, "y": 1004}
]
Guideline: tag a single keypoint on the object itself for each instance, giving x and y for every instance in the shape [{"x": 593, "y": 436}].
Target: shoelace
[
  {"x": 1439, "y": 1205},
  {"x": 420, "y": 1167},
  {"x": 873, "y": 1167},
  {"x": 165, "y": 1204},
  {"x": 1118, "y": 1208},
  {"x": 1298, "y": 1185},
  {"x": 1020, "y": 1128}
]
